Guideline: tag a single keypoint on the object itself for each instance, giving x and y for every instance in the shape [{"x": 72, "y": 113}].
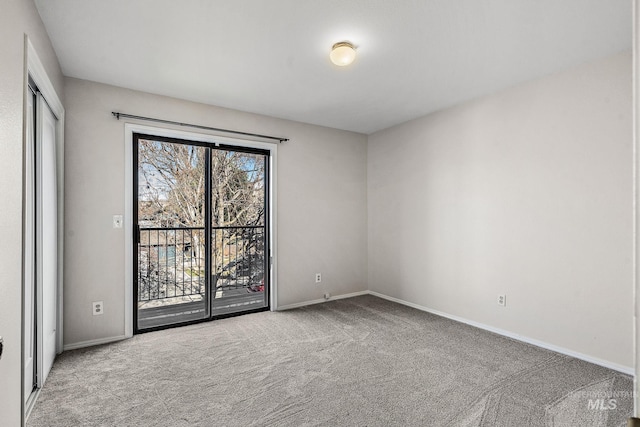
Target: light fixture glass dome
[{"x": 342, "y": 53}]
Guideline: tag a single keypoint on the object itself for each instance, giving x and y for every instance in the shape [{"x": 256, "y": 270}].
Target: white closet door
[
  {"x": 47, "y": 235},
  {"x": 29, "y": 251}
]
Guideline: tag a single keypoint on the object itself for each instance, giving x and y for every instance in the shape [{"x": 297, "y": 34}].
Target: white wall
[
  {"x": 321, "y": 202},
  {"x": 527, "y": 192},
  {"x": 17, "y": 18},
  {"x": 636, "y": 145}
]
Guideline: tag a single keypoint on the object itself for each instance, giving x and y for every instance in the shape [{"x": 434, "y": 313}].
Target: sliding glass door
[{"x": 201, "y": 242}]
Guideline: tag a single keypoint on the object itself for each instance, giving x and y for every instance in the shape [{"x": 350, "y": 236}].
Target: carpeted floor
[{"x": 357, "y": 362}]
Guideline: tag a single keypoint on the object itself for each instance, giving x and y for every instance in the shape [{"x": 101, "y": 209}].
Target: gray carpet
[{"x": 357, "y": 362}]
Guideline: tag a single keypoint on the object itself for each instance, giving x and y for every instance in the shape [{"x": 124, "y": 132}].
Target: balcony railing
[{"x": 171, "y": 261}]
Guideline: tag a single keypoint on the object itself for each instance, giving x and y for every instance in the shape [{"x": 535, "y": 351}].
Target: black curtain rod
[{"x": 151, "y": 119}]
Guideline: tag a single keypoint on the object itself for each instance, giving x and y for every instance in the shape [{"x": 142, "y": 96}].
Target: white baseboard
[
  {"x": 616, "y": 367},
  {"x": 91, "y": 343},
  {"x": 320, "y": 300}
]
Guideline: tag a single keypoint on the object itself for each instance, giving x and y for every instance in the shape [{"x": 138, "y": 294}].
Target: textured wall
[
  {"x": 527, "y": 192},
  {"x": 321, "y": 202}
]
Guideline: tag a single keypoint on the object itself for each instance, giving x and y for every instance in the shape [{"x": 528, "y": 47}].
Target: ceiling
[{"x": 272, "y": 57}]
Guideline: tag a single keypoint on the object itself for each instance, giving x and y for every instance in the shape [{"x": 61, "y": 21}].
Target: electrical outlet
[
  {"x": 327, "y": 296},
  {"x": 98, "y": 308},
  {"x": 117, "y": 221},
  {"x": 318, "y": 277},
  {"x": 502, "y": 300}
]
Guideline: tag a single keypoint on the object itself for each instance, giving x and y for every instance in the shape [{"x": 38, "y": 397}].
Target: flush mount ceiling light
[{"x": 342, "y": 53}]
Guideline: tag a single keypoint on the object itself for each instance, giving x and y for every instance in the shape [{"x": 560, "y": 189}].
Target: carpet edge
[{"x": 562, "y": 350}]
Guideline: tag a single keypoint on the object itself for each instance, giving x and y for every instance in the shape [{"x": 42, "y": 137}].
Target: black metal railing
[
  {"x": 237, "y": 257},
  {"x": 171, "y": 261}
]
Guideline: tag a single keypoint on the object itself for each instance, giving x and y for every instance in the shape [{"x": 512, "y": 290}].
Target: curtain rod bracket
[{"x": 117, "y": 115}]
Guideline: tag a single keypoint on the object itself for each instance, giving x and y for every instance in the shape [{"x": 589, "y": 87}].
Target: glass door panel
[
  {"x": 171, "y": 245},
  {"x": 239, "y": 251}
]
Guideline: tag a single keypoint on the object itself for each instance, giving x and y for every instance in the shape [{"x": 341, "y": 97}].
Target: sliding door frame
[
  {"x": 214, "y": 141},
  {"x": 36, "y": 71}
]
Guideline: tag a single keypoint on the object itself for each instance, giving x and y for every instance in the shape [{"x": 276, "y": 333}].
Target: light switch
[{"x": 117, "y": 221}]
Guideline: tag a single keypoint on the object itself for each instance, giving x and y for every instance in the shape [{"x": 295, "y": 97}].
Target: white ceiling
[{"x": 272, "y": 56}]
